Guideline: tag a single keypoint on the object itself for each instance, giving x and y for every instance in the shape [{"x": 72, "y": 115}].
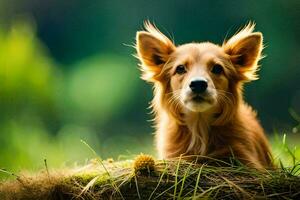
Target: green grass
[{"x": 174, "y": 179}]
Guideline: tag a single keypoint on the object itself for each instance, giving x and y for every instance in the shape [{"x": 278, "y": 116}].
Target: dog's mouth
[
  {"x": 199, "y": 103},
  {"x": 198, "y": 99}
]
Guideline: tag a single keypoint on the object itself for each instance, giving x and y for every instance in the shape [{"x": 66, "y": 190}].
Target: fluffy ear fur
[
  {"x": 244, "y": 49},
  {"x": 153, "y": 50}
]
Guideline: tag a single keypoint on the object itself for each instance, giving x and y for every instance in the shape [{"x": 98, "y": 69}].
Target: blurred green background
[{"x": 67, "y": 73}]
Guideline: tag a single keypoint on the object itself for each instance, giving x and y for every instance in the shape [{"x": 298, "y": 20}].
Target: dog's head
[{"x": 199, "y": 77}]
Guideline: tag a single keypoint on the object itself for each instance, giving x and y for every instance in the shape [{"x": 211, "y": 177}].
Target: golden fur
[{"x": 222, "y": 124}]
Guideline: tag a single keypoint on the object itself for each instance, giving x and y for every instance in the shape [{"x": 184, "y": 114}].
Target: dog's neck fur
[
  {"x": 190, "y": 136},
  {"x": 186, "y": 133}
]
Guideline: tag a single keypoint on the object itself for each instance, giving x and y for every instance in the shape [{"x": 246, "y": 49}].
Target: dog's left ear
[
  {"x": 244, "y": 49},
  {"x": 153, "y": 50}
]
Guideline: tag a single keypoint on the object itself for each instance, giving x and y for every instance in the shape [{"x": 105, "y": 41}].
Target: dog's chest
[{"x": 198, "y": 130}]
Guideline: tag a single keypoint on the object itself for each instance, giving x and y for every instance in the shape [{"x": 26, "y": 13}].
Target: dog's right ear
[{"x": 153, "y": 50}]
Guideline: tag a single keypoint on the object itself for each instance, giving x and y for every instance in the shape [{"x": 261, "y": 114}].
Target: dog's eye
[
  {"x": 180, "y": 69},
  {"x": 217, "y": 69}
]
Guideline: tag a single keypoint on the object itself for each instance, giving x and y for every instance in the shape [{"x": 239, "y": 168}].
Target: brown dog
[{"x": 198, "y": 96}]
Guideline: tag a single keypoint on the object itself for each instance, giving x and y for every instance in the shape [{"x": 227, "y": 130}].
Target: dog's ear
[
  {"x": 153, "y": 50},
  {"x": 244, "y": 49}
]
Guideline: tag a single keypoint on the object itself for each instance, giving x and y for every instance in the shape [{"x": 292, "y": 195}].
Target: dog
[{"x": 198, "y": 96}]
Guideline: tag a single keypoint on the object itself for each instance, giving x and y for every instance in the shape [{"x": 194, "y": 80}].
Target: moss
[{"x": 170, "y": 179}]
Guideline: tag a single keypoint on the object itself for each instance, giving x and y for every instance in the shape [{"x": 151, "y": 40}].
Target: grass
[
  {"x": 172, "y": 179},
  {"x": 146, "y": 178}
]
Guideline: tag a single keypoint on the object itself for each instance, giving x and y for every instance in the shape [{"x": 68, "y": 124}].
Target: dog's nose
[{"x": 198, "y": 86}]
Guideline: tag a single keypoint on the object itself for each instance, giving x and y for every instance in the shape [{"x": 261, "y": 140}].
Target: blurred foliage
[
  {"x": 100, "y": 86},
  {"x": 27, "y": 75},
  {"x": 46, "y": 111},
  {"x": 67, "y": 74}
]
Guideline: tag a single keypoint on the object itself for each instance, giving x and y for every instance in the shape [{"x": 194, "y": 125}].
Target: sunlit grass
[
  {"x": 29, "y": 146},
  {"x": 285, "y": 147},
  {"x": 172, "y": 179}
]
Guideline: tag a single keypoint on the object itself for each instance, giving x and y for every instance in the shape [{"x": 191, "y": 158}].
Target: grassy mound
[{"x": 145, "y": 178}]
